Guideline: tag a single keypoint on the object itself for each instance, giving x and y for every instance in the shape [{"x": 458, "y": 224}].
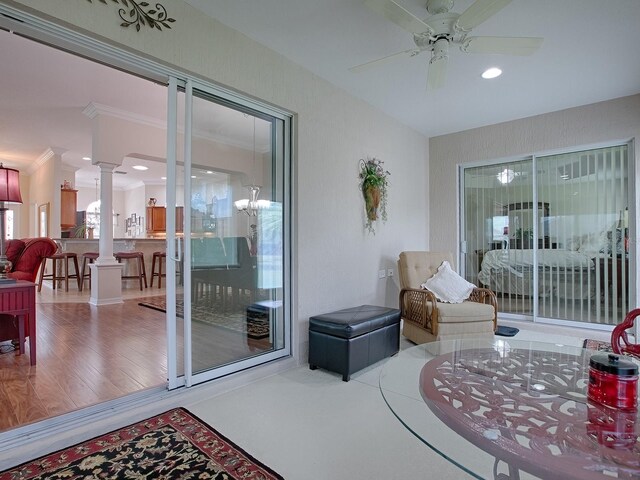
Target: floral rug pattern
[
  {"x": 173, "y": 445},
  {"x": 256, "y": 326}
]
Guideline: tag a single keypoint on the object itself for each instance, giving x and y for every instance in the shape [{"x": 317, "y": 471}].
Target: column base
[{"x": 106, "y": 283}]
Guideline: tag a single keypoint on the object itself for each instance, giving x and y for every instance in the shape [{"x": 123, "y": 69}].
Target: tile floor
[{"x": 311, "y": 425}]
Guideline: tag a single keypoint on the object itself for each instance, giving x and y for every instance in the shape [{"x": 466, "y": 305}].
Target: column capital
[{"x": 106, "y": 166}]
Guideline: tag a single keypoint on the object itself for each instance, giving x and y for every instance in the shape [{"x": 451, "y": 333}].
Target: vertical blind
[{"x": 549, "y": 234}]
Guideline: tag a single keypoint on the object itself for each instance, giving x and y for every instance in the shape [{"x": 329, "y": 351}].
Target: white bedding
[
  {"x": 570, "y": 273},
  {"x": 516, "y": 259}
]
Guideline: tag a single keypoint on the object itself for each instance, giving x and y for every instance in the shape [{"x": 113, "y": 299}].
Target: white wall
[
  {"x": 42, "y": 190},
  {"x": 336, "y": 261}
]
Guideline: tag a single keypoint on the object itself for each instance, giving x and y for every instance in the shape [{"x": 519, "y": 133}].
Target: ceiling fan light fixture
[
  {"x": 506, "y": 176},
  {"x": 492, "y": 72}
]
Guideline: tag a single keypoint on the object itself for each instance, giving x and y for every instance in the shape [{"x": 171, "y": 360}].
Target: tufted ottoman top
[{"x": 355, "y": 321}]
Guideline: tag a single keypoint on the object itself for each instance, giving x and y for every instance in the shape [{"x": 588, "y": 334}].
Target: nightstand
[{"x": 609, "y": 278}]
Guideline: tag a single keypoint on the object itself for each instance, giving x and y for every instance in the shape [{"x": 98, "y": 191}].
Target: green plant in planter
[
  {"x": 83, "y": 231},
  {"x": 80, "y": 231},
  {"x": 373, "y": 185}
]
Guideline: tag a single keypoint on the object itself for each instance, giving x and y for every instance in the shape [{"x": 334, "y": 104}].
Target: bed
[{"x": 566, "y": 274}]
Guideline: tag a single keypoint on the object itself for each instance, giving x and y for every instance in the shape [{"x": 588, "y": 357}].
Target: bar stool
[
  {"x": 87, "y": 257},
  {"x": 158, "y": 257},
  {"x": 64, "y": 258},
  {"x": 136, "y": 256}
]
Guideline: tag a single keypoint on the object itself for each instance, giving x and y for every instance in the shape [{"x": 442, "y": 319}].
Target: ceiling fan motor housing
[
  {"x": 440, "y": 50},
  {"x": 435, "y": 7}
]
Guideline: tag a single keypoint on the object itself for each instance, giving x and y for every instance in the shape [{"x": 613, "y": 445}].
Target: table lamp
[{"x": 9, "y": 192}]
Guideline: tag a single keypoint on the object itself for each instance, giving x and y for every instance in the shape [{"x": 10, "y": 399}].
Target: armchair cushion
[
  {"x": 465, "y": 312},
  {"x": 448, "y": 286}
]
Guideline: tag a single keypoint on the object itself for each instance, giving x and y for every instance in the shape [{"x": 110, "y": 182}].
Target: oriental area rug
[
  {"x": 173, "y": 445},
  {"x": 255, "y": 326}
]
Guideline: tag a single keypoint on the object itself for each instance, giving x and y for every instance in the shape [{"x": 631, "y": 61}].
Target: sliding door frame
[
  {"x": 190, "y": 378},
  {"x": 33, "y": 28},
  {"x": 633, "y": 200}
]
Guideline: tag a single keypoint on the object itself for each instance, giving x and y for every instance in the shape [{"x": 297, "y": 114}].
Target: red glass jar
[
  {"x": 613, "y": 381},
  {"x": 611, "y": 427}
]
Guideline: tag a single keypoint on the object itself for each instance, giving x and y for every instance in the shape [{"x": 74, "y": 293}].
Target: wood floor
[{"x": 87, "y": 355}]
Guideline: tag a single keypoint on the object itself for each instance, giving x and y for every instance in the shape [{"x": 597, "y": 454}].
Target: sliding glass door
[
  {"x": 589, "y": 277},
  {"x": 230, "y": 235},
  {"x": 549, "y": 234}
]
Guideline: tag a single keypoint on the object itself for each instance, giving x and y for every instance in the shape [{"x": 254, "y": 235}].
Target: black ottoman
[{"x": 349, "y": 340}]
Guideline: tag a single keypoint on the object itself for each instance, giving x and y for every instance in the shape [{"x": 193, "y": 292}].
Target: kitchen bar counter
[{"x": 145, "y": 245}]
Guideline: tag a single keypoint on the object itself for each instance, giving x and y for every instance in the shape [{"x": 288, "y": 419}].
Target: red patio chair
[{"x": 620, "y": 341}]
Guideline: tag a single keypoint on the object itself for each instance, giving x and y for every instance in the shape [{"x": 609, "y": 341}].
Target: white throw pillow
[{"x": 448, "y": 286}]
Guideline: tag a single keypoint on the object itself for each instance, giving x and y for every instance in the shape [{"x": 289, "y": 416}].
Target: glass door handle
[{"x": 178, "y": 255}]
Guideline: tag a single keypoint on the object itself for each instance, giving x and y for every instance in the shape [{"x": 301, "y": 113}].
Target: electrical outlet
[
  {"x": 390, "y": 272},
  {"x": 381, "y": 274}
]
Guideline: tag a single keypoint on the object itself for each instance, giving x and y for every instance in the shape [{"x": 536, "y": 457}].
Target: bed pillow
[{"x": 448, "y": 286}]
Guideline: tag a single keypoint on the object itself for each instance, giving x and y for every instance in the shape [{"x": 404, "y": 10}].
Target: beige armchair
[{"x": 426, "y": 319}]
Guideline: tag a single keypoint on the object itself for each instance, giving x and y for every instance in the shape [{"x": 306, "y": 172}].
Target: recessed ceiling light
[
  {"x": 492, "y": 72},
  {"x": 163, "y": 178},
  {"x": 88, "y": 159},
  {"x": 193, "y": 176},
  {"x": 209, "y": 172},
  {"x": 140, "y": 167}
]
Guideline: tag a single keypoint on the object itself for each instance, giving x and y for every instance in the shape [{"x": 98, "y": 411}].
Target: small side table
[{"x": 19, "y": 299}]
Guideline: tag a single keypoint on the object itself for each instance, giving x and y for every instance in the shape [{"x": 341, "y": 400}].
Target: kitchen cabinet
[
  {"x": 179, "y": 219},
  {"x": 156, "y": 220},
  {"x": 68, "y": 204}
]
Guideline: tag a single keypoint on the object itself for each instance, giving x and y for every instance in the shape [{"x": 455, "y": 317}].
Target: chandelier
[{"x": 251, "y": 205}]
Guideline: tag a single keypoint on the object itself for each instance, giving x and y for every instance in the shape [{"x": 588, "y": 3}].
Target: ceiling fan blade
[
  {"x": 502, "y": 45},
  {"x": 437, "y": 73},
  {"x": 381, "y": 61},
  {"x": 398, "y": 15},
  {"x": 478, "y": 12}
]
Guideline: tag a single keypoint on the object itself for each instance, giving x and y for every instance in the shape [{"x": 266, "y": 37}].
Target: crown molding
[
  {"x": 94, "y": 109},
  {"x": 44, "y": 158}
]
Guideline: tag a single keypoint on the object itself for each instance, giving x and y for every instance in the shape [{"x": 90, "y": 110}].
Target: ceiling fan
[{"x": 443, "y": 28}]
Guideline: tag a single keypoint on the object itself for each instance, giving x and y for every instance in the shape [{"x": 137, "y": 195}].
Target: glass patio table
[{"x": 514, "y": 409}]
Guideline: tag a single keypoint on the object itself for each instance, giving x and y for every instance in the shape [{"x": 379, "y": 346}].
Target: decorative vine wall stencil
[{"x": 134, "y": 13}]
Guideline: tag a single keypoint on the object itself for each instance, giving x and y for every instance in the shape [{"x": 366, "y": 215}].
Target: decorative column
[{"x": 106, "y": 272}]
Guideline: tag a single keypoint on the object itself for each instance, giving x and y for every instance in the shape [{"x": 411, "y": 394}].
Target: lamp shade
[{"x": 9, "y": 185}]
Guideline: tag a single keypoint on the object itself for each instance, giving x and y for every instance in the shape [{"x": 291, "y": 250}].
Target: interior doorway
[{"x": 89, "y": 355}]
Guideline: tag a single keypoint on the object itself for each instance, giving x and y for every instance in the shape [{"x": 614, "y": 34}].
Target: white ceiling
[{"x": 589, "y": 54}]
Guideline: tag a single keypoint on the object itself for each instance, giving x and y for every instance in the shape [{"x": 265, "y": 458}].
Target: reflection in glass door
[
  {"x": 230, "y": 235},
  {"x": 588, "y": 258},
  {"x": 550, "y": 234}
]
